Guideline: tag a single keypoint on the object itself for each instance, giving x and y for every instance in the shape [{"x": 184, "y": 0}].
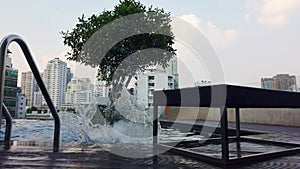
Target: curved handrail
[
  {"x": 8, "y": 125},
  {"x": 3, "y": 52}
]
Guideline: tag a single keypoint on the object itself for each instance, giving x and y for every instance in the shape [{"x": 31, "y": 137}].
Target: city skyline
[
  {"x": 93, "y": 78},
  {"x": 254, "y": 38},
  {"x": 283, "y": 82}
]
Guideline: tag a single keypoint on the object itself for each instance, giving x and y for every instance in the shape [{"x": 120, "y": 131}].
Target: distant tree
[
  {"x": 70, "y": 109},
  {"x": 31, "y": 109},
  {"x": 28, "y": 110},
  {"x": 107, "y": 67}
]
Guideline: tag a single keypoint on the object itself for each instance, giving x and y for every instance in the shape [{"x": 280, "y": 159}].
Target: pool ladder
[{"x": 3, "y": 52}]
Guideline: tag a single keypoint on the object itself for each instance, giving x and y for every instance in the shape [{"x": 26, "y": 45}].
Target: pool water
[
  {"x": 42, "y": 130},
  {"x": 36, "y": 130}
]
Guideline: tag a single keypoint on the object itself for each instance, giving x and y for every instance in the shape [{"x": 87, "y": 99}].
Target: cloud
[
  {"x": 192, "y": 19},
  {"x": 247, "y": 17},
  {"x": 277, "y": 12},
  {"x": 220, "y": 38},
  {"x": 273, "y": 21},
  {"x": 195, "y": 66}
]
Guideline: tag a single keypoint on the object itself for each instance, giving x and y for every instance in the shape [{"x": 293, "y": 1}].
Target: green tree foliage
[
  {"x": 154, "y": 18},
  {"x": 31, "y": 109}
]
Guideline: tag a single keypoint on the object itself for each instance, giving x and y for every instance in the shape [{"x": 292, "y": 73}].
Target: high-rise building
[
  {"x": 283, "y": 82},
  {"x": 37, "y": 99},
  {"x": 10, "y": 87},
  {"x": 69, "y": 75},
  {"x": 172, "y": 70},
  {"x": 55, "y": 79},
  {"x": 157, "y": 78},
  {"x": 79, "y": 91},
  {"x": 150, "y": 80},
  {"x": 29, "y": 86},
  {"x": 101, "y": 89},
  {"x": 267, "y": 83}
]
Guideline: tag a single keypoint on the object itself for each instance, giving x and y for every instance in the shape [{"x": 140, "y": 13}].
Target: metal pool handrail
[
  {"x": 8, "y": 124},
  {"x": 3, "y": 52}
]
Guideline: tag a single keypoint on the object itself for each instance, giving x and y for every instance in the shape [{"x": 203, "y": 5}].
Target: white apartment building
[
  {"x": 101, "y": 89},
  {"x": 171, "y": 70},
  {"x": 55, "y": 79},
  {"x": 37, "y": 99},
  {"x": 150, "y": 80},
  {"x": 79, "y": 90},
  {"x": 156, "y": 79},
  {"x": 82, "y": 97}
]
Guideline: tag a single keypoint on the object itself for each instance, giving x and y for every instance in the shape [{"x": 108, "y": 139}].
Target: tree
[
  {"x": 31, "y": 109},
  {"x": 155, "y": 31}
]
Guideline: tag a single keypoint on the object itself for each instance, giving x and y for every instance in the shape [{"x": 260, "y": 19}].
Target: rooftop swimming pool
[{"x": 42, "y": 130}]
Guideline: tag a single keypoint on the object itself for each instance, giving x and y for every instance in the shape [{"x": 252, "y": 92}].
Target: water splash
[
  {"x": 131, "y": 109},
  {"x": 72, "y": 129},
  {"x": 91, "y": 126}
]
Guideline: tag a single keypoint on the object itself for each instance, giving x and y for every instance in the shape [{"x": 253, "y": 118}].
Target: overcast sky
[{"x": 253, "y": 38}]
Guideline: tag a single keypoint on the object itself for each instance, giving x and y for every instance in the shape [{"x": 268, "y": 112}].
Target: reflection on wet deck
[{"x": 32, "y": 154}]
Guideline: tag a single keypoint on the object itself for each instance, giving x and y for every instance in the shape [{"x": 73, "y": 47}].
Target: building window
[
  {"x": 151, "y": 91},
  {"x": 151, "y": 77},
  {"x": 151, "y": 84}
]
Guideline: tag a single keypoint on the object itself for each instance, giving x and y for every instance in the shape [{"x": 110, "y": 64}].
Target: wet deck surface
[{"x": 81, "y": 155}]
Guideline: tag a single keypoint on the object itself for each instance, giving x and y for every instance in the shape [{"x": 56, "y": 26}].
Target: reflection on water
[
  {"x": 238, "y": 149},
  {"x": 175, "y": 135}
]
